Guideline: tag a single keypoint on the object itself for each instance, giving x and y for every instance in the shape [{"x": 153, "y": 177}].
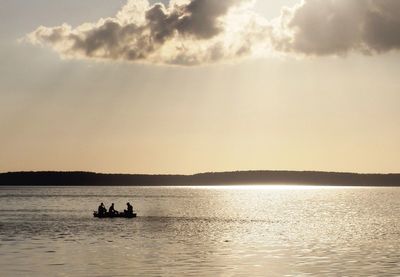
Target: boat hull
[{"x": 120, "y": 215}]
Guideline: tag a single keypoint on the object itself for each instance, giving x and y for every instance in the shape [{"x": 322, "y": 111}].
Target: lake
[{"x": 201, "y": 231}]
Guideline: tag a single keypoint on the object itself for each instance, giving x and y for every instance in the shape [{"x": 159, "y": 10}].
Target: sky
[{"x": 200, "y": 85}]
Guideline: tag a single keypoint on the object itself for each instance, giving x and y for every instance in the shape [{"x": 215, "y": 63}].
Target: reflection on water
[{"x": 204, "y": 231}]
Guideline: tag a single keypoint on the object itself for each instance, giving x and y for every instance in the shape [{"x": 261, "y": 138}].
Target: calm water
[{"x": 187, "y": 231}]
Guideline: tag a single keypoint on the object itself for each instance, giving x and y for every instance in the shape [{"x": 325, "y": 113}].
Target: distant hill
[{"x": 222, "y": 178}]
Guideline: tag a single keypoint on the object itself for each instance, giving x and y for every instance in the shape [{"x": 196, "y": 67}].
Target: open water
[{"x": 201, "y": 231}]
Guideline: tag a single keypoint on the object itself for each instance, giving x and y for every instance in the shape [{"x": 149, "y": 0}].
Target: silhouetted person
[
  {"x": 102, "y": 209},
  {"x": 129, "y": 210},
  {"x": 111, "y": 210}
]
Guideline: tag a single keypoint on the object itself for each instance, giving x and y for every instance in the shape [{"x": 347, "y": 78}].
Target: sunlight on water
[
  {"x": 264, "y": 187},
  {"x": 202, "y": 231}
]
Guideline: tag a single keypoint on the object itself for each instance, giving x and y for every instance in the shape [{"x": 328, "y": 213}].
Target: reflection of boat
[{"x": 119, "y": 215}]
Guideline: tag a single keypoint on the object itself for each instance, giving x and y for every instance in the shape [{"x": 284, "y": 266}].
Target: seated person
[
  {"x": 111, "y": 210},
  {"x": 129, "y": 210},
  {"x": 101, "y": 210}
]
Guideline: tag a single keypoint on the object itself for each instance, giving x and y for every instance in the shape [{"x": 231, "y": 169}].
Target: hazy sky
[{"x": 209, "y": 86}]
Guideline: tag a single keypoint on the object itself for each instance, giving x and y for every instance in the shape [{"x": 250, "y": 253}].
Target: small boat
[{"x": 119, "y": 215}]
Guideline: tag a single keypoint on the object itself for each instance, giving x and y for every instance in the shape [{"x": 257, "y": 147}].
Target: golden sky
[{"x": 127, "y": 94}]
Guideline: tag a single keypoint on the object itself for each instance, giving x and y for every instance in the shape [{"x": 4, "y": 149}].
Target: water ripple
[{"x": 202, "y": 232}]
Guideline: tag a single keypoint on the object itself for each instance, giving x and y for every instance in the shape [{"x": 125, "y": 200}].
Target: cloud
[
  {"x": 193, "y": 32},
  {"x": 184, "y": 32},
  {"x": 336, "y": 27}
]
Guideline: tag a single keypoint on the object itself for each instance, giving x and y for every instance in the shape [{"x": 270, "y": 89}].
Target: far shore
[{"x": 266, "y": 177}]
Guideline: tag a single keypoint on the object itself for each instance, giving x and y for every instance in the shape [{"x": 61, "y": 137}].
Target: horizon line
[{"x": 198, "y": 173}]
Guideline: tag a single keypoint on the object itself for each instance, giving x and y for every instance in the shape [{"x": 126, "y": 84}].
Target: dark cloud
[
  {"x": 192, "y": 32},
  {"x": 326, "y": 27},
  {"x": 201, "y": 17},
  {"x": 382, "y": 25},
  {"x": 179, "y": 25}
]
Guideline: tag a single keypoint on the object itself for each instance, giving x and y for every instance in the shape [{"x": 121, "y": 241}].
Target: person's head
[
  {"x": 128, "y": 203},
  {"x": 102, "y": 204},
  {"x": 112, "y": 204}
]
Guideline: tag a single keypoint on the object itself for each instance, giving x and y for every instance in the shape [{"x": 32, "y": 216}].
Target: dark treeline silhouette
[{"x": 224, "y": 178}]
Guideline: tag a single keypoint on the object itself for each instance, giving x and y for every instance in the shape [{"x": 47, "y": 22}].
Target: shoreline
[{"x": 243, "y": 178}]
